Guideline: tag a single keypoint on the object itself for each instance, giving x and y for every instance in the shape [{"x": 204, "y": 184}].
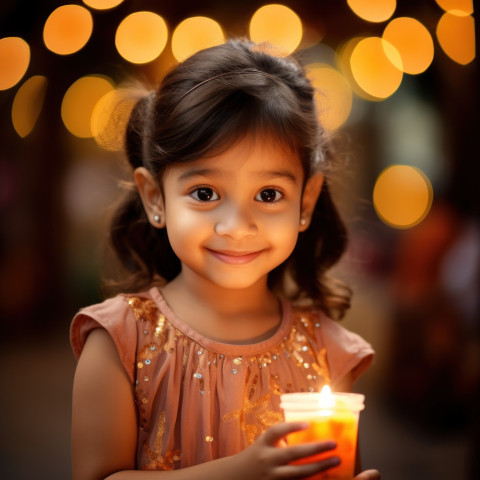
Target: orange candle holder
[{"x": 331, "y": 416}]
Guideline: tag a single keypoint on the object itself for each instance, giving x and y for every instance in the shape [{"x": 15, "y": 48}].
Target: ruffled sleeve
[
  {"x": 116, "y": 317},
  {"x": 347, "y": 352}
]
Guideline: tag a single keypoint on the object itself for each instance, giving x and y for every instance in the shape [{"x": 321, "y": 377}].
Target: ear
[
  {"x": 309, "y": 199},
  {"x": 151, "y": 196}
]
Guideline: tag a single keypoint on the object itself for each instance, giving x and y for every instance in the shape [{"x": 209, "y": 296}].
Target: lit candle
[{"x": 331, "y": 416}]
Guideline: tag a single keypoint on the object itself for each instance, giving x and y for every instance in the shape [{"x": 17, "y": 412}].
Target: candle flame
[{"x": 326, "y": 399}]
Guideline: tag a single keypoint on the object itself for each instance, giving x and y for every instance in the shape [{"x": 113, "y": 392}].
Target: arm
[{"x": 104, "y": 447}]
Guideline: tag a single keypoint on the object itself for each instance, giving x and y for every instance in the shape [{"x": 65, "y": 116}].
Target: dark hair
[{"x": 202, "y": 107}]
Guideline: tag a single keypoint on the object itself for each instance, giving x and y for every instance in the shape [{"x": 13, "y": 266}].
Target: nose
[{"x": 236, "y": 222}]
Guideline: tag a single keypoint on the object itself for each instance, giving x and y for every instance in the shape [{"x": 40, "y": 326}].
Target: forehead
[{"x": 254, "y": 155}]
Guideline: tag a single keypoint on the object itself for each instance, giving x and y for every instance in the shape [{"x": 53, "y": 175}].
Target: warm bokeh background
[{"x": 399, "y": 87}]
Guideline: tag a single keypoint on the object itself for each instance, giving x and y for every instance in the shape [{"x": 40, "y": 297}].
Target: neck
[{"x": 232, "y": 315}]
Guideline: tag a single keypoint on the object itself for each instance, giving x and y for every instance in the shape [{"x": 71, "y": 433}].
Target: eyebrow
[{"x": 205, "y": 172}]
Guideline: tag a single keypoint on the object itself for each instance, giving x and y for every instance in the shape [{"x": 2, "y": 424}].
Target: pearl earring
[
  {"x": 156, "y": 218},
  {"x": 303, "y": 221}
]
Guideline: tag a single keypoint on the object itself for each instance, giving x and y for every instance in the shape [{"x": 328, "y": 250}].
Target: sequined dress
[{"x": 199, "y": 399}]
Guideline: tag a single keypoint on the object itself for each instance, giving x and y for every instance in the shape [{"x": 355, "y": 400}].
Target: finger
[
  {"x": 308, "y": 469},
  {"x": 290, "y": 454},
  {"x": 368, "y": 475},
  {"x": 276, "y": 433}
]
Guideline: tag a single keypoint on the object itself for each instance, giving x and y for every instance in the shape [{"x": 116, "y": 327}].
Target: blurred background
[{"x": 397, "y": 87}]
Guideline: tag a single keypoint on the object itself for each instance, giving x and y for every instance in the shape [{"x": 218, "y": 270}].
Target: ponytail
[{"x": 143, "y": 252}]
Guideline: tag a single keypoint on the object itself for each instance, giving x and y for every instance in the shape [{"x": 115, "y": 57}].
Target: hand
[
  {"x": 368, "y": 475},
  {"x": 269, "y": 457}
]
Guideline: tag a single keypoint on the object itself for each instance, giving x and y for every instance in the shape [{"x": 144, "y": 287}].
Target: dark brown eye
[
  {"x": 204, "y": 194},
  {"x": 269, "y": 195}
]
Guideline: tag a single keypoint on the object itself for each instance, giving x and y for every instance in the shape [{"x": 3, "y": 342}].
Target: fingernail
[{"x": 335, "y": 461}]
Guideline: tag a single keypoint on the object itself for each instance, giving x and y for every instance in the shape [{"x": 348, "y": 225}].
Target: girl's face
[{"x": 233, "y": 218}]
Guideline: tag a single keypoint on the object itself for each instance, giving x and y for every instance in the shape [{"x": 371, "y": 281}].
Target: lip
[{"x": 232, "y": 257}]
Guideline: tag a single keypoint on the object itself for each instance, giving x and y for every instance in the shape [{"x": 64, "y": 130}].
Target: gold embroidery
[
  {"x": 254, "y": 418},
  {"x": 157, "y": 461},
  {"x": 259, "y": 408}
]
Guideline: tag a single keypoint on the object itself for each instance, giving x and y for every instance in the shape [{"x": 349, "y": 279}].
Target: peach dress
[{"x": 199, "y": 399}]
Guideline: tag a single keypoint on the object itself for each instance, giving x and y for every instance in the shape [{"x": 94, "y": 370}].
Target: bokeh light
[
  {"x": 456, "y": 36},
  {"x": 412, "y": 41},
  {"x": 373, "y": 10},
  {"x": 194, "y": 34},
  {"x": 14, "y": 61},
  {"x": 27, "y": 104},
  {"x": 402, "y": 196},
  {"x": 109, "y": 118},
  {"x": 68, "y": 29},
  {"x": 277, "y": 24},
  {"x": 342, "y": 60},
  {"x": 465, "y": 6},
  {"x": 333, "y": 95},
  {"x": 141, "y": 37},
  {"x": 80, "y": 100},
  {"x": 374, "y": 63},
  {"x": 102, "y": 4}
]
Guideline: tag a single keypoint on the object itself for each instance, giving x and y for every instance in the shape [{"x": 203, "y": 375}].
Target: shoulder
[
  {"x": 119, "y": 317},
  {"x": 347, "y": 352}
]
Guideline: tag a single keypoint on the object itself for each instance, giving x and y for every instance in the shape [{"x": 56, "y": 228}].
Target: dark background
[{"x": 413, "y": 300}]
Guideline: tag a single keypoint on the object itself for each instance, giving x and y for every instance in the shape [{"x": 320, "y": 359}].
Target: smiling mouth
[{"x": 233, "y": 257}]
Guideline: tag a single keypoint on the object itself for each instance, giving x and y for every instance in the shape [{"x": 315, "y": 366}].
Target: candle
[{"x": 331, "y": 416}]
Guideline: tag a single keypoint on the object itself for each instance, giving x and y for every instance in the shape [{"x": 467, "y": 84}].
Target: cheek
[
  {"x": 184, "y": 226},
  {"x": 284, "y": 228}
]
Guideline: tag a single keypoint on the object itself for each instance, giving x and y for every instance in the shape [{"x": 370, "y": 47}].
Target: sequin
[
  {"x": 256, "y": 411},
  {"x": 209, "y": 439}
]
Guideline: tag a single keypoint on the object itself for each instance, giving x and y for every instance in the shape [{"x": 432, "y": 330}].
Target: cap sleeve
[
  {"x": 116, "y": 317},
  {"x": 347, "y": 352}
]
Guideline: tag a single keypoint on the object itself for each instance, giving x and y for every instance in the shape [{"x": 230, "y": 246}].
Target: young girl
[{"x": 230, "y": 221}]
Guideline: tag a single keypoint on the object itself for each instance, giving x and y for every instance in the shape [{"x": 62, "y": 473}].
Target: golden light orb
[
  {"x": 412, "y": 41},
  {"x": 141, "y": 37},
  {"x": 456, "y": 36},
  {"x": 27, "y": 104},
  {"x": 375, "y": 67},
  {"x": 14, "y": 61},
  {"x": 402, "y": 196},
  {"x": 67, "y": 29},
  {"x": 80, "y": 100},
  {"x": 102, "y": 4},
  {"x": 373, "y": 10},
  {"x": 333, "y": 95},
  {"x": 110, "y": 117},
  {"x": 465, "y": 6},
  {"x": 194, "y": 34},
  {"x": 278, "y": 25}
]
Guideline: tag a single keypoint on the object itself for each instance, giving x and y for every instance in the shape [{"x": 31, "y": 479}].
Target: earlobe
[
  {"x": 151, "y": 196},
  {"x": 309, "y": 199}
]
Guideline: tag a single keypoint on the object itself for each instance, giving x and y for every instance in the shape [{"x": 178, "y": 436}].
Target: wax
[
  {"x": 340, "y": 427},
  {"x": 330, "y": 417}
]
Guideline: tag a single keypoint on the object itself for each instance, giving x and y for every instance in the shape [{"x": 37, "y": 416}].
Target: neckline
[{"x": 222, "y": 347}]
